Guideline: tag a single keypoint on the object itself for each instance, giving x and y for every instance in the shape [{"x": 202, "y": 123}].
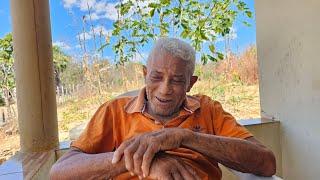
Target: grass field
[
  {"x": 233, "y": 82},
  {"x": 241, "y": 100}
]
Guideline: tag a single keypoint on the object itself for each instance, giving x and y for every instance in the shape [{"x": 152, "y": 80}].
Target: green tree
[
  {"x": 7, "y": 80},
  {"x": 200, "y": 22},
  {"x": 60, "y": 62},
  {"x": 73, "y": 74}
]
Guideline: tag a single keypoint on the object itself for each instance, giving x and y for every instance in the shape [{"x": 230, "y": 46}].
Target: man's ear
[
  {"x": 193, "y": 80},
  {"x": 144, "y": 69}
]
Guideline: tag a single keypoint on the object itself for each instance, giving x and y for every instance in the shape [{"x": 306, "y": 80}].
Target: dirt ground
[{"x": 9, "y": 144}]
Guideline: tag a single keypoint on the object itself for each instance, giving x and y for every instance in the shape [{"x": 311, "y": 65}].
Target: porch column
[
  {"x": 288, "y": 55},
  {"x": 37, "y": 109}
]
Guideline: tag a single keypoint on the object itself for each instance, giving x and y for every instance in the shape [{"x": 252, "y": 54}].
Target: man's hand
[
  {"x": 169, "y": 167},
  {"x": 139, "y": 151}
]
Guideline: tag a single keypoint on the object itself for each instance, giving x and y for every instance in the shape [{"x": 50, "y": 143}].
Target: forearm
[
  {"x": 75, "y": 164},
  {"x": 238, "y": 154}
]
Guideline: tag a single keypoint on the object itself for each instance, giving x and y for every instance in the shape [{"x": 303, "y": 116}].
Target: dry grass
[
  {"x": 233, "y": 82},
  {"x": 243, "y": 68}
]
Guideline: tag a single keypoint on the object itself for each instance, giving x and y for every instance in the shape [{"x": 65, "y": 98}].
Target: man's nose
[{"x": 165, "y": 87}]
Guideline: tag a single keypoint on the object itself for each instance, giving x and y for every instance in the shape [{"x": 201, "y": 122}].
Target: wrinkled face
[{"x": 167, "y": 81}]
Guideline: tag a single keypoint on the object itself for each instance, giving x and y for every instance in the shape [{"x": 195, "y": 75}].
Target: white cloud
[
  {"x": 101, "y": 9},
  {"x": 69, "y": 3},
  {"x": 233, "y": 34},
  {"x": 62, "y": 45},
  {"x": 144, "y": 5},
  {"x": 137, "y": 57},
  {"x": 111, "y": 11},
  {"x": 101, "y": 29},
  {"x": 94, "y": 16},
  {"x": 81, "y": 4},
  {"x": 100, "y": 6},
  {"x": 84, "y": 36},
  {"x": 85, "y": 4},
  {"x": 97, "y": 29}
]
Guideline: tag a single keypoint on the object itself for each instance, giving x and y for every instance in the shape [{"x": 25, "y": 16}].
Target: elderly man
[{"x": 163, "y": 133}]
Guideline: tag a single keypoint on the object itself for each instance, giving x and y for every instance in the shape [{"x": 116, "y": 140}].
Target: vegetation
[
  {"x": 60, "y": 61},
  {"x": 235, "y": 86},
  {"x": 7, "y": 79},
  {"x": 7, "y": 82},
  {"x": 200, "y": 22},
  {"x": 89, "y": 82}
]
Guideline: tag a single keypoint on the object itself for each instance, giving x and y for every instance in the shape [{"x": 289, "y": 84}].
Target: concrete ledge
[
  {"x": 28, "y": 166},
  {"x": 256, "y": 121}
]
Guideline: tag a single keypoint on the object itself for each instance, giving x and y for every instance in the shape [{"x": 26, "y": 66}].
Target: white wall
[{"x": 288, "y": 40}]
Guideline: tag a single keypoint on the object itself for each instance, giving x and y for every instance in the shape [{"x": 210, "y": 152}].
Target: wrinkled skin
[
  {"x": 167, "y": 167},
  {"x": 167, "y": 80},
  {"x": 139, "y": 151}
]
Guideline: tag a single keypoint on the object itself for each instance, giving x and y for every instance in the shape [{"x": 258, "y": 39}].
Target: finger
[
  {"x": 147, "y": 159},
  {"x": 192, "y": 172},
  {"x": 185, "y": 173},
  {"x": 128, "y": 155},
  {"x": 119, "y": 152},
  {"x": 138, "y": 157},
  {"x": 176, "y": 175}
]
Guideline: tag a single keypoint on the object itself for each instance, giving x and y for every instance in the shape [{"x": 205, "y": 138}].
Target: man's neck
[{"x": 162, "y": 119}]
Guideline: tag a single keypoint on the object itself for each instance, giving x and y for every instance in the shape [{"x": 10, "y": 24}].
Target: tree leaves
[
  {"x": 152, "y": 12},
  {"x": 199, "y": 22},
  {"x": 6, "y": 63},
  {"x": 212, "y": 48},
  {"x": 60, "y": 59}
]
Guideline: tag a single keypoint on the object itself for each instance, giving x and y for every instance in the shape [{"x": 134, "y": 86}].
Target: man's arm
[
  {"x": 248, "y": 155},
  {"x": 86, "y": 166}
]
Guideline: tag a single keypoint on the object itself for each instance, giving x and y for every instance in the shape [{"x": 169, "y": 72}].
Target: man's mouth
[{"x": 163, "y": 101}]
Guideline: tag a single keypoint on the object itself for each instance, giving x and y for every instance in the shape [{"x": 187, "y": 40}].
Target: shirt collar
[{"x": 138, "y": 103}]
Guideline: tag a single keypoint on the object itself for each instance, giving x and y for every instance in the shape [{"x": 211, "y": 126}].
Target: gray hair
[{"x": 176, "y": 48}]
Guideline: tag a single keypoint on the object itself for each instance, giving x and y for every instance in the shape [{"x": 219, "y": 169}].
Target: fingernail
[
  {"x": 113, "y": 160},
  {"x": 131, "y": 173},
  {"x": 144, "y": 175},
  {"x": 140, "y": 177}
]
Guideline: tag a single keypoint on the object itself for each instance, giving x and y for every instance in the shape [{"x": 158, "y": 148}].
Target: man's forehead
[
  {"x": 163, "y": 61},
  {"x": 176, "y": 74},
  {"x": 165, "y": 65}
]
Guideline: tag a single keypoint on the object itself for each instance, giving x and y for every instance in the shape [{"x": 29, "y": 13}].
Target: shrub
[{"x": 242, "y": 68}]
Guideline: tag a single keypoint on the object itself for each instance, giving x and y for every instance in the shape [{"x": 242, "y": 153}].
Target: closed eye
[
  {"x": 156, "y": 78},
  {"x": 178, "y": 81}
]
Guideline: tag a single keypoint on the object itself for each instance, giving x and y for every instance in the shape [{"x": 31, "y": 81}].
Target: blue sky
[{"x": 66, "y": 25}]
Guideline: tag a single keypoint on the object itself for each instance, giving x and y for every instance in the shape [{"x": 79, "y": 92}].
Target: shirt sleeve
[
  {"x": 226, "y": 125},
  {"x": 98, "y": 135}
]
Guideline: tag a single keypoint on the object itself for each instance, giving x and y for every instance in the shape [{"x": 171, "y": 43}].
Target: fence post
[{"x": 3, "y": 117}]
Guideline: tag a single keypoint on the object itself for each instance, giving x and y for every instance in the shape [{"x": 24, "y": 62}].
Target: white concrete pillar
[
  {"x": 34, "y": 75},
  {"x": 288, "y": 54}
]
